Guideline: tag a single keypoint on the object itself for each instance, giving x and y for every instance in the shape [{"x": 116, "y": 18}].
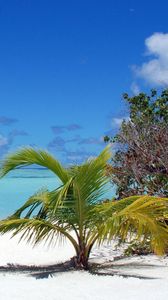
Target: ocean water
[{"x": 19, "y": 185}]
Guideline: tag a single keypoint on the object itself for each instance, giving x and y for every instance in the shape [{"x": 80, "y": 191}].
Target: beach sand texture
[{"x": 82, "y": 285}]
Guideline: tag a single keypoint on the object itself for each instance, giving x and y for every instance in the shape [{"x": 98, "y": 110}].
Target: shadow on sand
[{"x": 108, "y": 269}]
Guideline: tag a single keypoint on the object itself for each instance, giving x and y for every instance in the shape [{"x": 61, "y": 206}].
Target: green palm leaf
[
  {"x": 30, "y": 156},
  {"x": 35, "y": 230},
  {"x": 136, "y": 216}
]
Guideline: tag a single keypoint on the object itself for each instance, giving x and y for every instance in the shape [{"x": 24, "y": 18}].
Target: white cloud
[
  {"x": 135, "y": 88},
  {"x": 131, "y": 10},
  {"x": 3, "y": 141},
  {"x": 155, "y": 71},
  {"x": 116, "y": 122}
]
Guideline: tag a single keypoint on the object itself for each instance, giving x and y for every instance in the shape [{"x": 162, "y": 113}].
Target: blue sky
[{"x": 64, "y": 66}]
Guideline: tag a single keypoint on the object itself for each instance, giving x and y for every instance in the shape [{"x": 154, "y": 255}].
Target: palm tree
[{"x": 77, "y": 211}]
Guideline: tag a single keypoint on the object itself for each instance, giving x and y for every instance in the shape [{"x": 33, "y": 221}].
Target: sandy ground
[{"x": 124, "y": 284}]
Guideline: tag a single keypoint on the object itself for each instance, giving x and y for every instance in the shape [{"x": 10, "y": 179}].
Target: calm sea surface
[{"x": 16, "y": 187}]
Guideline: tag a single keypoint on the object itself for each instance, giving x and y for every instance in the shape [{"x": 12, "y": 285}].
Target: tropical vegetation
[
  {"x": 140, "y": 163},
  {"x": 78, "y": 210}
]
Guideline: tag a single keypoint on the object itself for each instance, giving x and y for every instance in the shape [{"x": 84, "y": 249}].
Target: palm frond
[
  {"x": 29, "y": 156},
  {"x": 90, "y": 178},
  {"x": 35, "y": 230},
  {"x": 61, "y": 197},
  {"x": 88, "y": 185},
  {"x": 37, "y": 204},
  {"x": 137, "y": 216}
]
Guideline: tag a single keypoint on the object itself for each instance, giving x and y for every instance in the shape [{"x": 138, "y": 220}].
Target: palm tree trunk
[{"x": 80, "y": 261}]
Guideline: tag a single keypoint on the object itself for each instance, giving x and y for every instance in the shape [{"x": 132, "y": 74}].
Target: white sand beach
[{"x": 82, "y": 285}]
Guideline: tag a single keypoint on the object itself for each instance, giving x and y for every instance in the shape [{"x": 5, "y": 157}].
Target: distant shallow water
[{"x": 20, "y": 184}]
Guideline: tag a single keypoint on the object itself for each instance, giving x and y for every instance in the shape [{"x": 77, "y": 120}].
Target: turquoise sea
[{"x": 20, "y": 184}]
